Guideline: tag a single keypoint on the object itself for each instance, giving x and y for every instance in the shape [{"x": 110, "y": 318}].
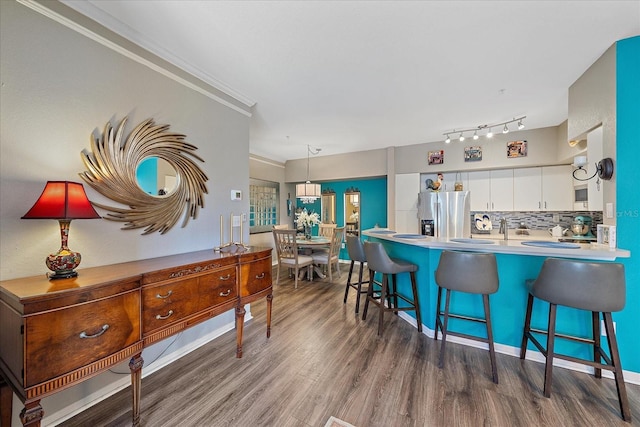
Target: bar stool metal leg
[{"x": 492, "y": 351}]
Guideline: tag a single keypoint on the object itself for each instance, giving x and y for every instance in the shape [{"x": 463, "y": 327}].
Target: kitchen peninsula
[{"x": 517, "y": 261}]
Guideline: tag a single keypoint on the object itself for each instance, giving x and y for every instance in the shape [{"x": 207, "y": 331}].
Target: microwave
[{"x": 580, "y": 194}]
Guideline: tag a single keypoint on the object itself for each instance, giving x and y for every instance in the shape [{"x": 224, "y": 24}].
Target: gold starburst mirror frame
[{"x": 112, "y": 166}]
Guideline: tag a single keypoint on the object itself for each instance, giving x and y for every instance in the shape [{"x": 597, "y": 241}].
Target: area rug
[{"x": 335, "y": 422}]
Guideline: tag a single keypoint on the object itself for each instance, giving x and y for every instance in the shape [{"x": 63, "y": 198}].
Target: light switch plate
[
  {"x": 236, "y": 195},
  {"x": 609, "y": 210}
]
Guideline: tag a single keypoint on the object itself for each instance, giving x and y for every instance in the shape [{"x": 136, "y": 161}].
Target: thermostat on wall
[{"x": 236, "y": 195}]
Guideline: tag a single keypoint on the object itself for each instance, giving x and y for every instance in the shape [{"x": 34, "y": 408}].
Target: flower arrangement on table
[{"x": 307, "y": 220}]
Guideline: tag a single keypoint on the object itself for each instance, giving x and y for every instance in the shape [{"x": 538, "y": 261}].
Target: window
[{"x": 264, "y": 199}]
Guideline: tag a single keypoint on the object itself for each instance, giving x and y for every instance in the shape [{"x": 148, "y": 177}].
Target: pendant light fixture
[{"x": 308, "y": 192}]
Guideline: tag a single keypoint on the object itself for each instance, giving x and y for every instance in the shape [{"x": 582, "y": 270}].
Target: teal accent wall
[
  {"x": 373, "y": 203},
  {"x": 627, "y": 176}
]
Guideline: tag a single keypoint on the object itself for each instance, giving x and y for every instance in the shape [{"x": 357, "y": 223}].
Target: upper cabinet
[
  {"x": 594, "y": 155},
  {"x": 548, "y": 188},
  {"x": 491, "y": 190},
  {"x": 406, "y": 198}
]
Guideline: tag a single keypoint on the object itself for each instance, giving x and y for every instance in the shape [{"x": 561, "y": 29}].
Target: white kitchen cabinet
[
  {"x": 501, "y": 190},
  {"x": 480, "y": 188},
  {"x": 527, "y": 189},
  {"x": 557, "y": 188},
  {"x": 594, "y": 155},
  {"x": 491, "y": 190},
  {"x": 548, "y": 188},
  {"x": 406, "y": 199},
  {"x": 407, "y": 189}
]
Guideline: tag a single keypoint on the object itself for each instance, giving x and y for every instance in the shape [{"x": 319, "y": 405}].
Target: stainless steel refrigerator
[{"x": 445, "y": 214}]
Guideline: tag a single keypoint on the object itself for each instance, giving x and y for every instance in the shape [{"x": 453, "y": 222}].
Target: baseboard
[{"x": 629, "y": 376}]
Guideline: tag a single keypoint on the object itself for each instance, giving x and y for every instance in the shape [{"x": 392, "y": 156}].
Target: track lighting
[{"x": 482, "y": 128}]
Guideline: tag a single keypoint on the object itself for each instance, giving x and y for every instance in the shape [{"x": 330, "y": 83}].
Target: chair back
[
  {"x": 326, "y": 230},
  {"x": 378, "y": 259},
  {"x": 336, "y": 242},
  {"x": 355, "y": 248},
  {"x": 286, "y": 246},
  {"x": 281, "y": 227},
  {"x": 593, "y": 286},
  {"x": 471, "y": 272}
]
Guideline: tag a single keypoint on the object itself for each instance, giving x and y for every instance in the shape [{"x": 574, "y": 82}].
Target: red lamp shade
[{"x": 64, "y": 201}]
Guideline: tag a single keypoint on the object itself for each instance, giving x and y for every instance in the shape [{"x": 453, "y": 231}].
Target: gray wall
[
  {"x": 592, "y": 102},
  {"x": 58, "y": 86}
]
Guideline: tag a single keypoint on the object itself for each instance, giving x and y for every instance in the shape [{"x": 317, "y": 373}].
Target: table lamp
[{"x": 64, "y": 201}]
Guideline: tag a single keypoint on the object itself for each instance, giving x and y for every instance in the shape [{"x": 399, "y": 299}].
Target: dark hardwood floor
[{"x": 322, "y": 360}]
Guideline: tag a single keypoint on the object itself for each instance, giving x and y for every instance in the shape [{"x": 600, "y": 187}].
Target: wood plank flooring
[{"x": 322, "y": 360}]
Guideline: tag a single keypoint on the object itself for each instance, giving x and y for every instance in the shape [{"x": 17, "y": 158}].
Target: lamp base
[
  {"x": 62, "y": 275},
  {"x": 63, "y": 264}
]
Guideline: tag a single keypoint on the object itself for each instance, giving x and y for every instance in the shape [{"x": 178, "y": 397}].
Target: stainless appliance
[{"x": 444, "y": 214}]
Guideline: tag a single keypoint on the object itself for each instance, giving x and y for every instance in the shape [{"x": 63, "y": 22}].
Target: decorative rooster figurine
[{"x": 435, "y": 185}]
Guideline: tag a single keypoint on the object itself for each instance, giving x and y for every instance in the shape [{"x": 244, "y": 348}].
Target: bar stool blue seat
[
  {"x": 379, "y": 262},
  {"x": 355, "y": 249},
  {"x": 470, "y": 272},
  {"x": 595, "y": 287}
]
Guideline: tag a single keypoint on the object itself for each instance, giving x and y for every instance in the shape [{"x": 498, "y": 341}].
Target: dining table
[{"x": 307, "y": 245}]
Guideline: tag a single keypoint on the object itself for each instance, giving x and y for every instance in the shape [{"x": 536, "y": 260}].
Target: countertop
[{"x": 586, "y": 251}]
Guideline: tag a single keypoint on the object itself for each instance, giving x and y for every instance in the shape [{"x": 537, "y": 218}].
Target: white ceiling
[{"x": 356, "y": 75}]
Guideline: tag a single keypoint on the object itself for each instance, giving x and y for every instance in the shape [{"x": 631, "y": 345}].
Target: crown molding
[{"x": 75, "y": 26}]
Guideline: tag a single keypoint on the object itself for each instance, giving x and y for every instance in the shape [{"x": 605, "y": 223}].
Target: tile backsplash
[{"x": 539, "y": 220}]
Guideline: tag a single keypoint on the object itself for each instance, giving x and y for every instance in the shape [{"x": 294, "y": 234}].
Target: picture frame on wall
[
  {"x": 516, "y": 149},
  {"x": 473, "y": 154},
  {"x": 435, "y": 157}
]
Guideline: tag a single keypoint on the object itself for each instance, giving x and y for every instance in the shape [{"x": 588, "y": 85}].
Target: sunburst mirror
[{"x": 152, "y": 171}]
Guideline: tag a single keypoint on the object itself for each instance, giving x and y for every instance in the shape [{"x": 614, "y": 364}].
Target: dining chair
[
  {"x": 332, "y": 255},
  {"x": 287, "y": 252},
  {"x": 281, "y": 227},
  {"x": 326, "y": 231}
]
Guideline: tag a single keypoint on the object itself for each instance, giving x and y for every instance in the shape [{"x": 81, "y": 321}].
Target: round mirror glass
[{"x": 155, "y": 176}]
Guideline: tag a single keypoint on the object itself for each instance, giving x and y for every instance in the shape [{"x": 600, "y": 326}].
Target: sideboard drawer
[
  {"x": 62, "y": 340},
  {"x": 218, "y": 287},
  {"x": 165, "y": 304},
  {"x": 255, "y": 277}
]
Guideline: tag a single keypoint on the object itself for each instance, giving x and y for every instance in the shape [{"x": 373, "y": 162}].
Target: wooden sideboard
[{"x": 55, "y": 334}]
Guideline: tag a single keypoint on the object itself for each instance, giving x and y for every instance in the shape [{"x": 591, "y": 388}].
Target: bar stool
[
  {"x": 379, "y": 262},
  {"x": 355, "y": 249},
  {"x": 474, "y": 273},
  {"x": 595, "y": 287}
]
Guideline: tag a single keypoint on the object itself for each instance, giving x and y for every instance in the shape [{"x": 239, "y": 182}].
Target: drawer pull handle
[
  {"x": 225, "y": 277},
  {"x": 84, "y": 335},
  {"x": 159, "y": 317},
  {"x": 225, "y": 294},
  {"x": 164, "y": 296},
  {"x": 260, "y": 276}
]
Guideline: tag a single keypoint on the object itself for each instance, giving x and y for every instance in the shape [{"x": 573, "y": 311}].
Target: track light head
[
  {"x": 490, "y": 133},
  {"x": 505, "y": 129},
  {"x": 475, "y": 136},
  {"x": 448, "y": 140},
  {"x": 461, "y": 137},
  {"x": 520, "y": 125}
]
